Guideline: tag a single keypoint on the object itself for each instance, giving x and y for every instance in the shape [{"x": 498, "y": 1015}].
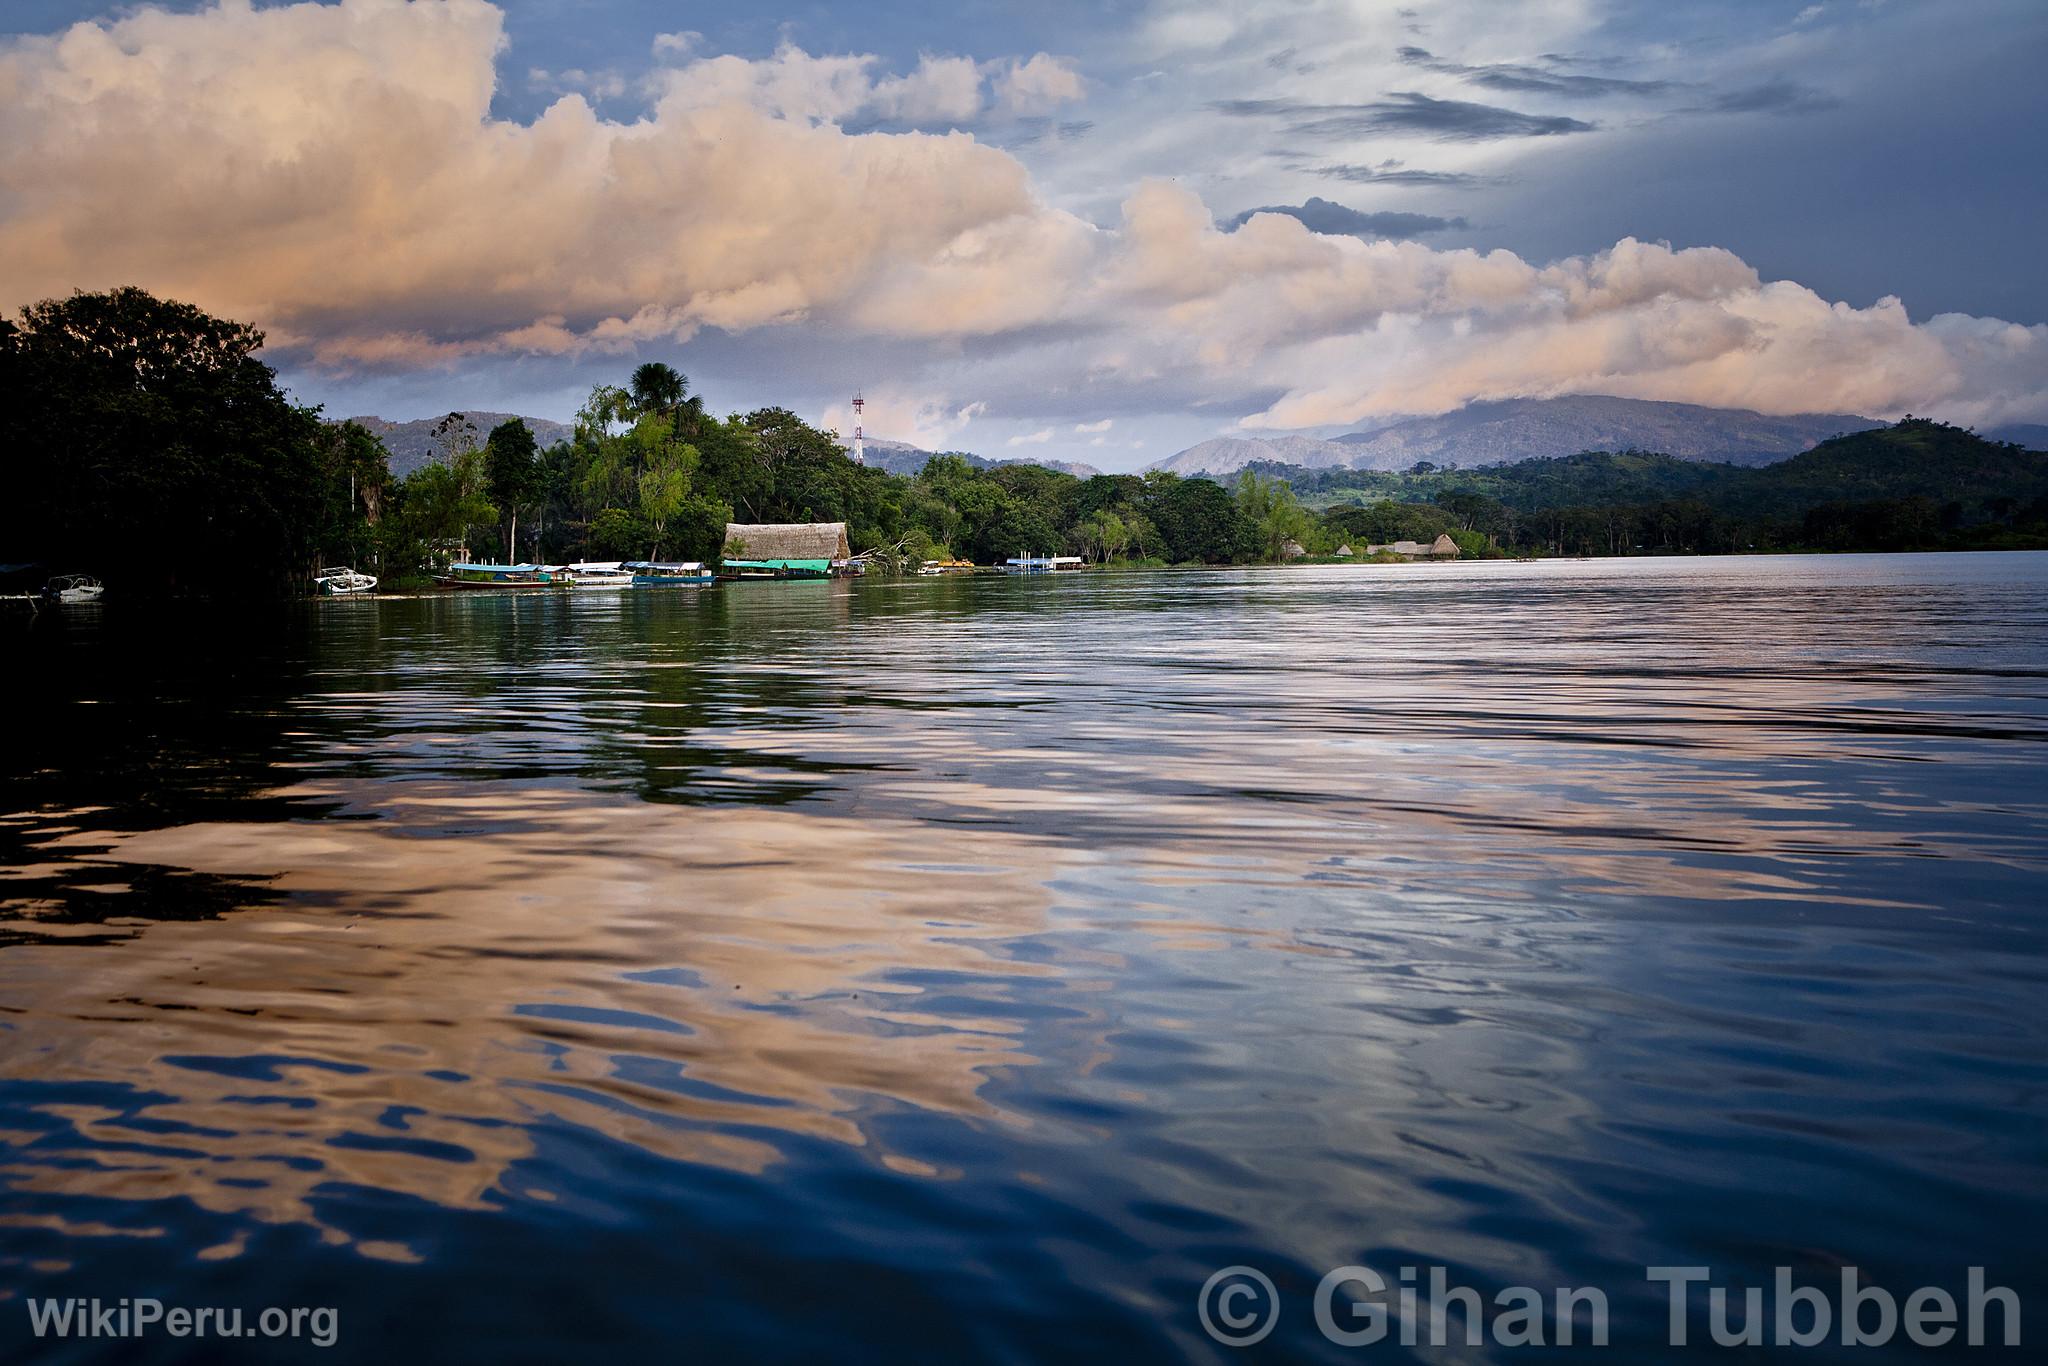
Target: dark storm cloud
[
  {"x": 1338, "y": 220},
  {"x": 1511, "y": 76},
  {"x": 1772, "y": 97},
  {"x": 1374, "y": 175},
  {"x": 1406, "y": 111}
]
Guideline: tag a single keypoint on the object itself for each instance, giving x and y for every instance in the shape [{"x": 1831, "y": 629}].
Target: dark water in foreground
[{"x": 962, "y": 970}]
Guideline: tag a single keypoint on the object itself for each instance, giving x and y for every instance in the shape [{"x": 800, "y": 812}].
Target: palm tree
[{"x": 660, "y": 388}]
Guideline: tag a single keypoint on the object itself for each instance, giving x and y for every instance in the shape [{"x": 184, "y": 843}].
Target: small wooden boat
[
  {"x": 74, "y": 589},
  {"x": 668, "y": 573},
  {"x": 340, "y": 580},
  {"x": 932, "y": 569}
]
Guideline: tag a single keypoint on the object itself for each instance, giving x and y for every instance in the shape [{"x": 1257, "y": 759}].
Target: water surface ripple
[{"x": 965, "y": 969}]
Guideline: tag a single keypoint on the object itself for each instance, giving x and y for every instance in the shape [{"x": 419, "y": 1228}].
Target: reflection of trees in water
[{"x": 136, "y": 719}]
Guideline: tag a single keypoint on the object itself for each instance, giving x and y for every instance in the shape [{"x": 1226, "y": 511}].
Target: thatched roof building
[
  {"x": 767, "y": 542},
  {"x": 1442, "y": 548}
]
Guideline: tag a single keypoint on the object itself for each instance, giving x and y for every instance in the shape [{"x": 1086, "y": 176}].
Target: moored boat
[
  {"x": 668, "y": 573},
  {"x": 498, "y": 576},
  {"x": 74, "y": 589},
  {"x": 599, "y": 574},
  {"x": 1042, "y": 564},
  {"x": 340, "y": 580},
  {"x": 777, "y": 569}
]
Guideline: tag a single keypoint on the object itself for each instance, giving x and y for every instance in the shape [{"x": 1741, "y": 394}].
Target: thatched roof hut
[
  {"x": 775, "y": 542},
  {"x": 1444, "y": 547}
]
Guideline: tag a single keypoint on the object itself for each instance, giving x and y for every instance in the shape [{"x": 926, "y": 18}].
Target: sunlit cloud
[{"x": 336, "y": 174}]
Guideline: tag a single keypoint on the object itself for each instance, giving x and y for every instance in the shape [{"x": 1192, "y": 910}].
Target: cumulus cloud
[
  {"x": 793, "y": 84},
  {"x": 1038, "y": 86},
  {"x": 334, "y": 173},
  {"x": 1037, "y": 438},
  {"x": 598, "y": 85},
  {"x": 1102, "y": 426}
]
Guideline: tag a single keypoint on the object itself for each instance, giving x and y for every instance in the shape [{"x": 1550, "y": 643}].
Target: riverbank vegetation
[{"x": 160, "y": 453}]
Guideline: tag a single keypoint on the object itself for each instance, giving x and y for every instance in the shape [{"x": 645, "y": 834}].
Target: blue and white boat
[
  {"x": 669, "y": 573},
  {"x": 598, "y": 574}
]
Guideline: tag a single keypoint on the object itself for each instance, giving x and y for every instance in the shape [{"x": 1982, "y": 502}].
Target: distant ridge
[
  {"x": 412, "y": 443},
  {"x": 1510, "y": 430},
  {"x": 900, "y": 457},
  {"x": 2032, "y": 435}
]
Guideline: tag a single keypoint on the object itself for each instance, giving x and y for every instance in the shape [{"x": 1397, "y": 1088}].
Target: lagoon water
[{"x": 966, "y": 969}]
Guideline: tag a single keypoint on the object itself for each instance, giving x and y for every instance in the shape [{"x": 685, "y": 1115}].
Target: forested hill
[
  {"x": 1915, "y": 485},
  {"x": 412, "y": 444},
  {"x": 1914, "y": 459}
]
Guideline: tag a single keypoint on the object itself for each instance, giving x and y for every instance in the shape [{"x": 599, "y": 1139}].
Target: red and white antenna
[{"x": 860, "y": 448}]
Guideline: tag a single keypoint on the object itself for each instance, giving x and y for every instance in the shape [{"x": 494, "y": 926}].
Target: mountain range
[
  {"x": 412, "y": 444},
  {"x": 1479, "y": 434},
  {"x": 900, "y": 457},
  {"x": 1509, "y": 430}
]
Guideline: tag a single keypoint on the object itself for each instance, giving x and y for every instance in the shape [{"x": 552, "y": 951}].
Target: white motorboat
[
  {"x": 74, "y": 588},
  {"x": 339, "y": 580},
  {"x": 600, "y": 574}
]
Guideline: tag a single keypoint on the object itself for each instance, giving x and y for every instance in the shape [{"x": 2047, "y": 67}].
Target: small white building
[{"x": 1041, "y": 564}]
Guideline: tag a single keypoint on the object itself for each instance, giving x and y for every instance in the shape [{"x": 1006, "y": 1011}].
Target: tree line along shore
[{"x": 161, "y": 454}]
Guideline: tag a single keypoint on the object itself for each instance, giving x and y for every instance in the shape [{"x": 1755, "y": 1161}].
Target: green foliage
[
  {"x": 157, "y": 452},
  {"x": 155, "y": 434},
  {"x": 1276, "y": 516},
  {"x": 355, "y": 481},
  {"x": 617, "y": 534},
  {"x": 1914, "y": 485},
  {"x": 1198, "y": 522},
  {"x": 511, "y": 474}
]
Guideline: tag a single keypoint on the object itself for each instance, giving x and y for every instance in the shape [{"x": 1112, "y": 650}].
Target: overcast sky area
[{"x": 1098, "y": 231}]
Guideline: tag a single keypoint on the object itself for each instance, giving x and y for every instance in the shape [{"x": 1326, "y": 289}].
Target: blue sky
[{"x": 1032, "y": 229}]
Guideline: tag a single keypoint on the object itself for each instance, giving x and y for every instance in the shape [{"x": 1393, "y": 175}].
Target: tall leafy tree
[
  {"x": 355, "y": 475},
  {"x": 512, "y": 474},
  {"x": 152, "y": 447}
]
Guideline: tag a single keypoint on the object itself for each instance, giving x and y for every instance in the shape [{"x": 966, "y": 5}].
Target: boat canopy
[{"x": 664, "y": 566}]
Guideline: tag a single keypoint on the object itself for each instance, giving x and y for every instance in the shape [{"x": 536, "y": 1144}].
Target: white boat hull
[{"x": 336, "y": 583}]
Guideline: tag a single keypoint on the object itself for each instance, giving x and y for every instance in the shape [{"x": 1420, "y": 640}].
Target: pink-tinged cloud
[{"x": 334, "y": 173}]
